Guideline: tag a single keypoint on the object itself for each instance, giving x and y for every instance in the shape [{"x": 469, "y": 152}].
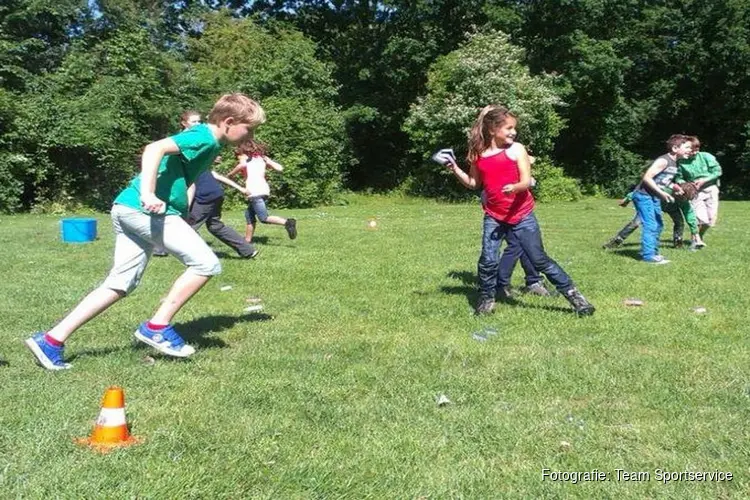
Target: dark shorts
[{"x": 256, "y": 208}]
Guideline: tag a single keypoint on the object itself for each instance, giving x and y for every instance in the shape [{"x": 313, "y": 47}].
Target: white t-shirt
[{"x": 255, "y": 170}]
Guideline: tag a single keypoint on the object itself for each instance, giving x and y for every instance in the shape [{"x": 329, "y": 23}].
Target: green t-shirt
[
  {"x": 198, "y": 149},
  {"x": 701, "y": 166}
]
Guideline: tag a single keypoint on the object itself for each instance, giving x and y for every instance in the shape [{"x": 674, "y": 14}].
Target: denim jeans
[
  {"x": 526, "y": 235},
  {"x": 256, "y": 207},
  {"x": 648, "y": 207},
  {"x": 512, "y": 253}
]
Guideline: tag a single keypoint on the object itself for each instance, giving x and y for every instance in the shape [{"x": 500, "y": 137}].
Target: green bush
[
  {"x": 487, "y": 69},
  {"x": 86, "y": 123},
  {"x": 305, "y": 129},
  {"x": 552, "y": 184},
  {"x": 11, "y": 185}
]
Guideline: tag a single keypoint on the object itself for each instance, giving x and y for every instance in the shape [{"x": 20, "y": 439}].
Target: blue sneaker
[
  {"x": 49, "y": 356},
  {"x": 167, "y": 341}
]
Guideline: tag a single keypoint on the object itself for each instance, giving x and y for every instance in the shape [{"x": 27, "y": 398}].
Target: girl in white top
[{"x": 253, "y": 163}]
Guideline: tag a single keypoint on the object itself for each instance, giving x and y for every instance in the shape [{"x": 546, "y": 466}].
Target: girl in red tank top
[{"x": 502, "y": 167}]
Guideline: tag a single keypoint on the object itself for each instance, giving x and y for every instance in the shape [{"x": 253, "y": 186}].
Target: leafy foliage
[
  {"x": 305, "y": 128},
  {"x": 92, "y": 81},
  {"x": 487, "y": 69}
]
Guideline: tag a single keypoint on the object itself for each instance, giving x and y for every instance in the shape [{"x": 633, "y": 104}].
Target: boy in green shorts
[{"x": 150, "y": 211}]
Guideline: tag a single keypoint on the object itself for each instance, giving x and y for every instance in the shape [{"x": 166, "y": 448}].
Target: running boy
[
  {"x": 151, "y": 211},
  {"x": 206, "y": 198},
  {"x": 501, "y": 166}
]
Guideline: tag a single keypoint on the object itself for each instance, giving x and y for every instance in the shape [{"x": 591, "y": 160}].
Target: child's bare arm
[
  {"x": 273, "y": 164},
  {"x": 524, "y": 170},
  {"x": 152, "y": 156},
  {"x": 470, "y": 180},
  {"x": 191, "y": 194},
  {"x": 236, "y": 170},
  {"x": 228, "y": 182}
]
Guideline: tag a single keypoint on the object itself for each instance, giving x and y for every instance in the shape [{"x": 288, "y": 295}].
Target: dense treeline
[{"x": 359, "y": 92}]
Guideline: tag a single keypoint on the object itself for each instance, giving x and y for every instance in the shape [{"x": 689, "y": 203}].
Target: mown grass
[{"x": 331, "y": 391}]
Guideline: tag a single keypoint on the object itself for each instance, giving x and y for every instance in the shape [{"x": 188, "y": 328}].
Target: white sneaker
[{"x": 659, "y": 259}]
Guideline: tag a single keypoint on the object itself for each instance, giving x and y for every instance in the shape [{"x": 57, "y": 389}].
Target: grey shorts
[{"x": 136, "y": 235}]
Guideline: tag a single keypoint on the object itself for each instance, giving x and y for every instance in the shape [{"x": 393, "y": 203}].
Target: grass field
[{"x": 331, "y": 391}]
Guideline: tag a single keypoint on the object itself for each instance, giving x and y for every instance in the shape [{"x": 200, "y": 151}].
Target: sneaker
[
  {"x": 49, "y": 356},
  {"x": 160, "y": 253},
  {"x": 659, "y": 260},
  {"x": 582, "y": 306},
  {"x": 613, "y": 243},
  {"x": 678, "y": 243},
  {"x": 486, "y": 306},
  {"x": 536, "y": 289},
  {"x": 506, "y": 293},
  {"x": 291, "y": 228},
  {"x": 167, "y": 341},
  {"x": 252, "y": 255}
]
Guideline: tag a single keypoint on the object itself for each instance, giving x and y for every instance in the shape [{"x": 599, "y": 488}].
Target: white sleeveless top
[{"x": 255, "y": 169}]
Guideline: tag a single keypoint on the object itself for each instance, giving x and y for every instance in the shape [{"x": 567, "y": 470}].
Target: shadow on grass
[
  {"x": 3, "y": 363},
  {"x": 99, "y": 351},
  {"x": 633, "y": 253},
  {"x": 470, "y": 291},
  {"x": 194, "y": 332}
]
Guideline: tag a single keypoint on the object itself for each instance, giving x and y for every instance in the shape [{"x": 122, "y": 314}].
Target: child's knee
[
  {"x": 123, "y": 284},
  {"x": 208, "y": 266}
]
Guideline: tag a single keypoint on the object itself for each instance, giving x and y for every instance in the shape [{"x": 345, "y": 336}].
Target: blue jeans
[
  {"x": 648, "y": 207},
  {"x": 526, "y": 235},
  {"x": 512, "y": 253}
]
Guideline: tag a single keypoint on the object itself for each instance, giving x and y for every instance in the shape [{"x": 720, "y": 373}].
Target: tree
[
  {"x": 487, "y": 69},
  {"x": 278, "y": 66},
  {"x": 85, "y": 124}
]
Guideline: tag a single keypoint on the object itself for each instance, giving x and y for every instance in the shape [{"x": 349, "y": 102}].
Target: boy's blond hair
[{"x": 237, "y": 106}]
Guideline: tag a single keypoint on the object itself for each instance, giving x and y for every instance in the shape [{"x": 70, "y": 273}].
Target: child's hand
[
  {"x": 668, "y": 198},
  {"x": 152, "y": 204},
  {"x": 509, "y": 188},
  {"x": 451, "y": 164}
]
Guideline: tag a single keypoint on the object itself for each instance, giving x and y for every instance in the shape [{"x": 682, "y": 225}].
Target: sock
[
  {"x": 51, "y": 341},
  {"x": 154, "y": 326}
]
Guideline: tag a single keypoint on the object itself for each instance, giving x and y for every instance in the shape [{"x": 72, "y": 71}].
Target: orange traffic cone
[{"x": 111, "y": 430}]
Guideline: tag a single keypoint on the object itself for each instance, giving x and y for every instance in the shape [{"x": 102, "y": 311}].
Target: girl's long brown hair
[
  {"x": 489, "y": 118},
  {"x": 251, "y": 147}
]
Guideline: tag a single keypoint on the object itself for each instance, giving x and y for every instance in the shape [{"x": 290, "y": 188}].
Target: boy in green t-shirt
[
  {"x": 150, "y": 211},
  {"x": 703, "y": 170}
]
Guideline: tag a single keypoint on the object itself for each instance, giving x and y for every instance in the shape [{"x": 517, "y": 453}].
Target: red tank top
[{"x": 497, "y": 171}]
